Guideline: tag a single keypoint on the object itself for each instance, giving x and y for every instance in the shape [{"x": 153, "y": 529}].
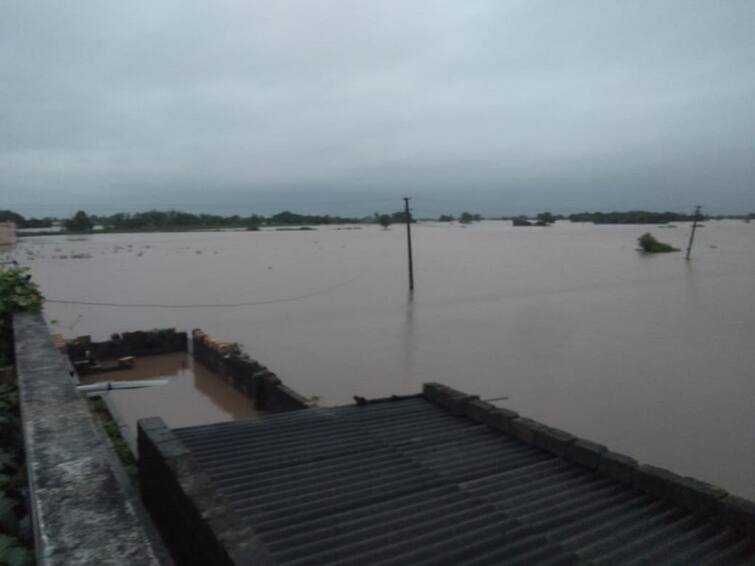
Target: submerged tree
[
  {"x": 650, "y": 245},
  {"x": 79, "y": 223},
  {"x": 385, "y": 220},
  {"x": 545, "y": 218},
  {"x": 467, "y": 217}
]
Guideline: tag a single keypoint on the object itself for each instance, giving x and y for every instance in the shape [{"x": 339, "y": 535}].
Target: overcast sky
[{"x": 500, "y": 107}]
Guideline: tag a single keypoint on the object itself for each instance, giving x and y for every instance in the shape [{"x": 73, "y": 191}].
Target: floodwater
[
  {"x": 193, "y": 395},
  {"x": 650, "y": 355}
]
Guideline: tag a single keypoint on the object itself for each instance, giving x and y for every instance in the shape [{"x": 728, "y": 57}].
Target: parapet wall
[
  {"x": 697, "y": 496},
  {"x": 81, "y": 512},
  {"x": 139, "y": 343},
  {"x": 196, "y": 522},
  {"x": 247, "y": 375}
]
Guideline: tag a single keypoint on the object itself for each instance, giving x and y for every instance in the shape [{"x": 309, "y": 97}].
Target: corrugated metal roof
[{"x": 406, "y": 482}]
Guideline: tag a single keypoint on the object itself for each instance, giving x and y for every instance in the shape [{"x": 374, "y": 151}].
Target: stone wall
[
  {"x": 7, "y": 233},
  {"x": 139, "y": 343},
  {"x": 245, "y": 374}
]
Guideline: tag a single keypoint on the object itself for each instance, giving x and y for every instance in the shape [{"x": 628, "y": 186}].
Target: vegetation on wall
[
  {"x": 17, "y": 294},
  {"x": 100, "y": 411},
  {"x": 13, "y": 552}
]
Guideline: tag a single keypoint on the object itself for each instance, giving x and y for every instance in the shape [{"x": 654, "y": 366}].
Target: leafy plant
[
  {"x": 100, "y": 410},
  {"x": 12, "y": 553},
  {"x": 17, "y": 291},
  {"x": 8, "y": 519},
  {"x": 17, "y": 294},
  {"x": 650, "y": 245},
  {"x": 231, "y": 349}
]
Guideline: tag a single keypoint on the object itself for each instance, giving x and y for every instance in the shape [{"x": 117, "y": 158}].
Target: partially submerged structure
[
  {"x": 438, "y": 478},
  {"x": 7, "y": 233}
]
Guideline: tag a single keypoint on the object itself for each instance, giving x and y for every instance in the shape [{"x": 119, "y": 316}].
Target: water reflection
[
  {"x": 409, "y": 346},
  {"x": 194, "y": 395}
]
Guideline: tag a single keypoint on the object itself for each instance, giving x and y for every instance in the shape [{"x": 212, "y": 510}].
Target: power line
[{"x": 202, "y": 306}]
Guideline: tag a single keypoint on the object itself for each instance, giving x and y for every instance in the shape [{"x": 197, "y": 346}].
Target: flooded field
[
  {"x": 650, "y": 355},
  {"x": 193, "y": 394}
]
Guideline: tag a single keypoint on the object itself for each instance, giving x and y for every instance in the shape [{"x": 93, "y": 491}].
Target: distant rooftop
[{"x": 441, "y": 478}]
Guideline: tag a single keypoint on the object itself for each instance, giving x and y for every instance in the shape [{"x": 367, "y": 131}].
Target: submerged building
[
  {"x": 436, "y": 478},
  {"x": 7, "y": 233}
]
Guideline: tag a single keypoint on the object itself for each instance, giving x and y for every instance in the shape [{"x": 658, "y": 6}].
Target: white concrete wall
[{"x": 7, "y": 233}]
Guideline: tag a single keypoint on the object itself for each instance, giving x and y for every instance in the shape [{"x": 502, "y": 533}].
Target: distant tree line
[
  {"x": 21, "y": 222},
  {"x": 174, "y": 219},
  {"x": 464, "y": 217},
  {"x": 157, "y": 219},
  {"x": 631, "y": 217}
]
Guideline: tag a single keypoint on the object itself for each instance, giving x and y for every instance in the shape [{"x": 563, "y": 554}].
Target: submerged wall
[
  {"x": 7, "y": 233},
  {"x": 139, "y": 343},
  {"x": 246, "y": 375}
]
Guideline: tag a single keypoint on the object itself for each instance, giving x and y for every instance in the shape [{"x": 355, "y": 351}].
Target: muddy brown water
[
  {"x": 193, "y": 394},
  {"x": 651, "y": 355}
]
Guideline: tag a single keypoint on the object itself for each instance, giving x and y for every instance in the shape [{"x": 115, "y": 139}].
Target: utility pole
[
  {"x": 408, "y": 218},
  {"x": 692, "y": 234}
]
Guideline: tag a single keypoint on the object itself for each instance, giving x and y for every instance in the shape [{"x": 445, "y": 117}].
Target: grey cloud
[{"x": 512, "y": 106}]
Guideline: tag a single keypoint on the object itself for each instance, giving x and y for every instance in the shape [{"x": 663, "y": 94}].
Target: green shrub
[
  {"x": 17, "y": 294},
  {"x": 650, "y": 245}
]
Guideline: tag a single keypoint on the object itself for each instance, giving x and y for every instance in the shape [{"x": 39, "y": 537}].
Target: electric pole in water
[
  {"x": 408, "y": 218},
  {"x": 692, "y": 234}
]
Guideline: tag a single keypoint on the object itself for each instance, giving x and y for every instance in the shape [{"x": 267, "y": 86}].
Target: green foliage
[
  {"x": 467, "y": 217},
  {"x": 10, "y": 216},
  {"x": 80, "y": 222},
  {"x": 631, "y": 217},
  {"x": 546, "y": 218},
  {"x": 170, "y": 219},
  {"x": 446, "y": 218},
  {"x": 12, "y": 553},
  {"x": 385, "y": 220},
  {"x": 287, "y": 218},
  {"x": 103, "y": 416},
  {"x": 231, "y": 348},
  {"x": 17, "y": 294},
  {"x": 650, "y": 245},
  {"x": 12, "y": 479},
  {"x": 21, "y": 222},
  {"x": 8, "y": 519}
]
